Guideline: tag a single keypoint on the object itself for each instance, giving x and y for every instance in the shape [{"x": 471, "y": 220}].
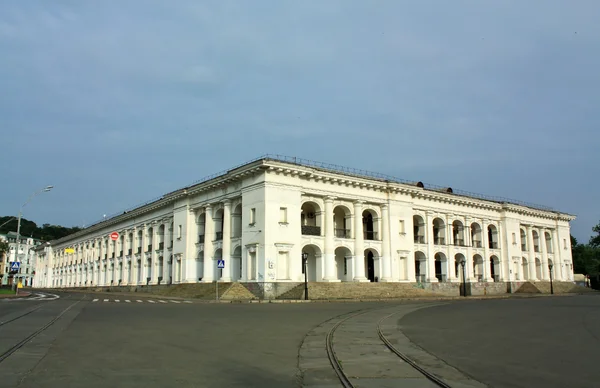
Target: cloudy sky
[{"x": 115, "y": 103}]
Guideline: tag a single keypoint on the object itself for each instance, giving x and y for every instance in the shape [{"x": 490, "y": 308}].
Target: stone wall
[
  {"x": 486, "y": 288},
  {"x": 443, "y": 288}
]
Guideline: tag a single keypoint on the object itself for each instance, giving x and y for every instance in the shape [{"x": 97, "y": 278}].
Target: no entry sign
[{"x": 114, "y": 236}]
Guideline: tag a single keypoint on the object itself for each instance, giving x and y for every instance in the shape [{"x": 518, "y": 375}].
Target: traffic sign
[
  {"x": 114, "y": 236},
  {"x": 221, "y": 264},
  {"x": 15, "y": 265}
]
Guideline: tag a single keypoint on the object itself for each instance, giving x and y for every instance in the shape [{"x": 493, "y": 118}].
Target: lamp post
[
  {"x": 462, "y": 264},
  {"x": 550, "y": 266},
  {"x": 44, "y": 190},
  {"x": 305, "y": 264}
]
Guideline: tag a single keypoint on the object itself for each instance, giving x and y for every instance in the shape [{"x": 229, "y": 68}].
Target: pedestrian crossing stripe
[{"x": 141, "y": 301}]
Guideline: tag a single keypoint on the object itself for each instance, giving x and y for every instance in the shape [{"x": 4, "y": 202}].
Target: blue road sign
[
  {"x": 221, "y": 264},
  {"x": 15, "y": 265}
]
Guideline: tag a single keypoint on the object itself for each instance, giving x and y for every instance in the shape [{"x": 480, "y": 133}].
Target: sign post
[{"x": 220, "y": 265}]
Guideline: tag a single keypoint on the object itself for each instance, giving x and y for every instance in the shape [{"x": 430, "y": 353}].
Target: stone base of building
[{"x": 341, "y": 290}]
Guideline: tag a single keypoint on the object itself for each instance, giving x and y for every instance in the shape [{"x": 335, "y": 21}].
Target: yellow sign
[
  {"x": 69, "y": 250},
  {"x": 19, "y": 285}
]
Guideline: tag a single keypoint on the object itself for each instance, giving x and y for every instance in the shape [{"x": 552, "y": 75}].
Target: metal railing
[
  {"x": 419, "y": 239},
  {"x": 309, "y": 230},
  {"x": 342, "y": 233},
  {"x": 477, "y": 244},
  {"x": 439, "y": 241},
  {"x": 493, "y": 245},
  {"x": 459, "y": 242},
  {"x": 334, "y": 168},
  {"x": 369, "y": 235}
]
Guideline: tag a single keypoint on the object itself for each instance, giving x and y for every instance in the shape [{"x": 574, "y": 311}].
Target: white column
[
  {"x": 165, "y": 254},
  {"x": 544, "y": 254},
  {"x": 430, "y": 260},
  {"x": 359, "y": 244},
  {"x": 154, "y": 255},
  {"x": 209, "y": 235},
  {"x": 558, "y": 264},
  {"x": 532, "y": 268},
  {"x": 386, "y": 265},
  {"x": 226, "y": 251},
  {"x": 329, "y": 254},
  {"x": 486, "y": 255},
  {"x": 142, "y": 266},
  {"x": 450, "y": 253}
]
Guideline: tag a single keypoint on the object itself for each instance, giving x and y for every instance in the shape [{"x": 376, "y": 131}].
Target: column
[
  {"x": 142, "y": 265},
  {"x": 329, "y": 254},
  {"x": 486, "y": 253},
  {"x": 531, "y": 258},
  {"x": 359, "y": 244},
  {"x": 166, "y": 275},
  {"x": 226, "y": 255},
  {"x": 544, "y": 254},
  {"x": 209, "y": 235},
  {"x": 558, "y": 264},
  {"x": 449, "y": 250},
  {"x": 386, "y": 258},
  {"x": 430, "y": 259},
  {"x": 153, "y": 254}
]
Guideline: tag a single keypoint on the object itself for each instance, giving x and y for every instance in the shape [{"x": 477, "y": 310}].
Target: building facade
[
  {"x": 26, "y": 257},
  {"x": 260, "y": 218}
]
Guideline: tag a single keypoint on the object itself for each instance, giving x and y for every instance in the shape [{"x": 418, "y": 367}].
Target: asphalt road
[
  {"x": 536, "y": 342},
  {"x": 184, "y": 345},
  {"x": 540, "y": 342}
]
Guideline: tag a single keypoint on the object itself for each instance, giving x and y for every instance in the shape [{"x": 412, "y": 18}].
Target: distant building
[
  {"x": 25, "y": 256},
  {"x": 262, "y": 217}
]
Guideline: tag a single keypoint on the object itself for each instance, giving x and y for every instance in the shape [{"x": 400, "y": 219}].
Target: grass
[{"x": 4, "y": 291}]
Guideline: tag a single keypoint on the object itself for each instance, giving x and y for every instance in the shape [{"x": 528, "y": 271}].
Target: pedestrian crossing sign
[
  {"x": 15, "y": 265},
  {"x": 221, "y": 264}
]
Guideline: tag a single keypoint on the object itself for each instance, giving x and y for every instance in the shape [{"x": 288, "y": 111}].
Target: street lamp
[
  {"x": 305, "y": 264},
  {"x": 462, "y": 263},
  {"x": 550, "y": 266},
  {"x": 44, "y": 190}
]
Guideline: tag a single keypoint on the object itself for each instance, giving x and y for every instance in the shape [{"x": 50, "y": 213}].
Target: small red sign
[{"x": 114, "y": 236}]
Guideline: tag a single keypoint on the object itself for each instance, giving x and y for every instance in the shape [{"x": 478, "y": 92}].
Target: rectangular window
[
  {"x": 283, "y": 215},
  {"x": 179, "y": 231},
  {"x": 401, "y": 226},
  {"x": 514, "y": 238},
  {"x": 565, "y": 243},
  {"x": 252, "y": 216}
]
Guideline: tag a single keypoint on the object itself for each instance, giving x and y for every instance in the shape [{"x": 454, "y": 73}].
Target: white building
[
  {"x": 355, "y": 227},
  {"x": 25, "y": 257}
]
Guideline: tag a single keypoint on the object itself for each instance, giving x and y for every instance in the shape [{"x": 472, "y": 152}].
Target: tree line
[
  {"x": 46, "y": 232},
  {"x": 586, "y": 257}
]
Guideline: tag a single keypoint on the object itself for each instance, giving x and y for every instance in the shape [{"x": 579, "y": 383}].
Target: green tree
[
  {"x": 595, "y": 240},
  {"x": 586, "y": 257}
]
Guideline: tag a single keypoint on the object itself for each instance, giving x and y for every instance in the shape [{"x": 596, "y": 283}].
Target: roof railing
[{"x": 334, "y": 168}]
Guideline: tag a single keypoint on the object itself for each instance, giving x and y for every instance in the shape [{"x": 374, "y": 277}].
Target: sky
[{"x": 116, "y": 103}]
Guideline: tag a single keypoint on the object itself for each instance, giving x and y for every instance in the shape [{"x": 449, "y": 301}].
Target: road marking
[
  {"x": 127, "y": 301},
  {"x": 106, "y": 300},
  {"x": 151, "y": 301},
  {"x": 117, "y": 300},
  {"x": 139, "y": 301},
  {"x": 187, "y": 301},
  {"x": 163, "y": 301},
  {"x": 175, "y": 301},
  {"x": 95, "y": 300}
]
